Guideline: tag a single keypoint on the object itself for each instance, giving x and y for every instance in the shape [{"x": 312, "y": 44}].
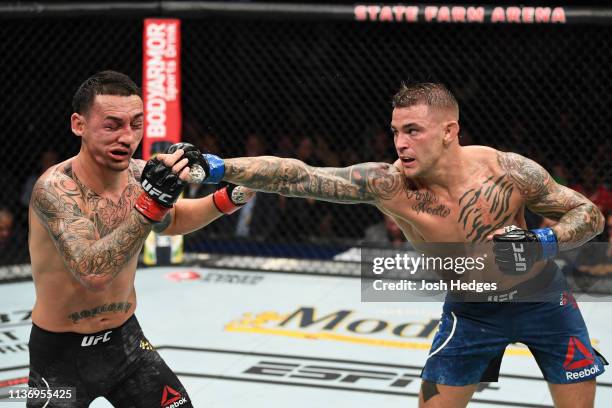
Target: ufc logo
[
  {"x": 93, "y": 340},
  {"x": 154, "y": 192},
  {"x": 502, "y": 298},
  {"x": 519, "y": 259}
]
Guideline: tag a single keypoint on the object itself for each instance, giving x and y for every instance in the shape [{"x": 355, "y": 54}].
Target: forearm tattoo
[
  {"x": 579, "y": 219},
  {"x": 361, "y": 183},
  {"x": 97, "y": 245}
]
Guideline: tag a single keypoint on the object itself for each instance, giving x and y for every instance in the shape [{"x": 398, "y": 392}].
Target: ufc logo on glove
[{"x": 154, "y": 192}]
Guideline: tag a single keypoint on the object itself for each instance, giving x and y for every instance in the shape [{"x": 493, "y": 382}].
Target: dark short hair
[
  {"x": 426, "y": 93},
  {"x": 103, "y": 83}
]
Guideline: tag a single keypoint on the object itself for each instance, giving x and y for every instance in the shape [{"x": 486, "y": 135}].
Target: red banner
[{"x": 161, "y": 85}]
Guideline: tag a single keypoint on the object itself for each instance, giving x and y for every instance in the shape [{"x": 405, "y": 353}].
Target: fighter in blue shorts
[
  {"x": 439, "y": 191},
  {"x": 470, "y": 343}
]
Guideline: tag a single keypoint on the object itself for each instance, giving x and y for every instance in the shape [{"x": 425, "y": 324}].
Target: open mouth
[
  {"x": 407, "y": 160},
  {"x": 119, "y": 153}
]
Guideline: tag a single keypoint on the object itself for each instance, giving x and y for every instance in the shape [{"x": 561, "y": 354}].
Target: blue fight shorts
[{"x": 472, "y": 337}]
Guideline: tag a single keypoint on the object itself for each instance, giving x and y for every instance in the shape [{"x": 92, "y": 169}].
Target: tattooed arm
[
  {"x": 92, "y": 260},
  {"x": 360, "y": 183},
  {"x": 579, "y": 219}
]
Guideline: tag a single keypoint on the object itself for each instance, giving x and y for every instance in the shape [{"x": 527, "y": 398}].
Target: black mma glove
[
  {"x": 161, "y": 187},
  {"x": 212, "y": 167},
  {"x": 516, "y": 250}
]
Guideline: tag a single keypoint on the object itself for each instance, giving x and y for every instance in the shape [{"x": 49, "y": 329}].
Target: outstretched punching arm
[{"x": 360, "y": 183}]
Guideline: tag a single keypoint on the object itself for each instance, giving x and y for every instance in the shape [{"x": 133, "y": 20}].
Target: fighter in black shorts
[
  {"x": 88, "y": 219},
  {"x": 119, "y": 364}
]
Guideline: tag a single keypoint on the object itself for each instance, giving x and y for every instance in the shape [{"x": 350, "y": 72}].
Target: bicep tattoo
[{"x": 579, "y": 219}]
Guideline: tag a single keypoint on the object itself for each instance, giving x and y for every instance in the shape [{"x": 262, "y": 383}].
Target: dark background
[{"x": 319, "y": 91}]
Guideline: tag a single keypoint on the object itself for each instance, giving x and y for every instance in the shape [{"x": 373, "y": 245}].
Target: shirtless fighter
[
  {"x": 88, "y": 220},
  {"x": 440, "y": 191}
]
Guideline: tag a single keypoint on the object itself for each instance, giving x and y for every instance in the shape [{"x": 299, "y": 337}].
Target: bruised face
[
  {"x": 420, "y": 135},
  {"x": 111, "y": 130}
]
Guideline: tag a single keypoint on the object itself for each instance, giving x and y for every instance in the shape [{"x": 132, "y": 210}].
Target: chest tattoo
[
  {"x": 428, "y": 203},
  {"x": 105, "y": 214},
  {"x": 486, "y": 208}
]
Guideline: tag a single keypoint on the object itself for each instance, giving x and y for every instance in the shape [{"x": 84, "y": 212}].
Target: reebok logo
[
  {"x": 568, "y": 299},
  {"x": 570, "y": 363},
  {"x": 171, "y": 398},
  {"x": 587, "y": 372},
  {"x": 93, "y": 340}
]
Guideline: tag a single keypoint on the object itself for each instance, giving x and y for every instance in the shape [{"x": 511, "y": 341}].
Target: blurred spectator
[
  {"x": 256, "y": 220},
  {"x": 284, "y": 147},
  {"x": 594, "y": 190},
  {"x": 203, "y": 138},
  {"x": 325, "y": 154},
  {"x": 259, "y": 217},
  {"x": 559, "y": 174},
  {"x": 13, "y": 246},
  {"x": 385, "y": 234},
  {"x": 602, "y": 161},
  {"x": 591, "y": 263},
  {"x": 465, "y": 137},
  {"x": 305, "y": 151},
  {"x": 254, "y": 145},
  {"x": 350, "y": 157},
  {"x": 310, "y": 219},
  {"x": 47, "y": 159},
  {"x": 380, "y": 148},
  {"x": 595, "y": 258}
]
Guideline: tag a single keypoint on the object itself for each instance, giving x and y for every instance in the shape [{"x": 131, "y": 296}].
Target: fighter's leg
[
  {"x": 52, "y": 368},
  {"x": 576, "y": 395},
  {"x": 466, "y": 350},
  {"x": 151, "y": 384},
  {"x": 560, "y": 342},
  {"x": 434, "y": 395}
]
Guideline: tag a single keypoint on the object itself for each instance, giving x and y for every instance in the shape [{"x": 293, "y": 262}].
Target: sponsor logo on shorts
[
  {"x": 578, "y": 356},
  {"x": 145, "y": 345},
  {"x": 568, "y": 299},
  {"x": 93, "y": 340},
  {"x": 171, "y": 398},
  {"x": 587, "y": 372}
]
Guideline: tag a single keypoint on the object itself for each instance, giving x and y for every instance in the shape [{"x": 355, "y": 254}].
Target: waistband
[
  {"x": 72, "y": 339},
  {"x": 543, "y": 287}
]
